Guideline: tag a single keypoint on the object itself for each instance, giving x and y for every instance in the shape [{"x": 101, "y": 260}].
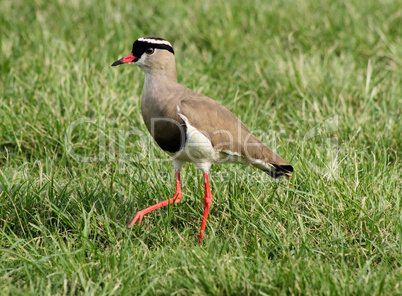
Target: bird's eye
[{"x": 150, "y": 50}]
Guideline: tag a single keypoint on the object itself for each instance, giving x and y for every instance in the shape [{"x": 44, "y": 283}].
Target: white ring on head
[{"x": 155, "y": 41}]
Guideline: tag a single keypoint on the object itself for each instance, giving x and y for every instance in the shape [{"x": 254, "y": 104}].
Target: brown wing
[{"x": 226, "y": 132}]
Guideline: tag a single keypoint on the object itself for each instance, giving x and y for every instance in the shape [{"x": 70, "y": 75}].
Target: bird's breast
[{"x": 164, "y": 125}]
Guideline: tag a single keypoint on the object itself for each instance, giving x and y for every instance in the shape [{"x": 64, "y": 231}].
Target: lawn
[{"x": 319, "y": 81}]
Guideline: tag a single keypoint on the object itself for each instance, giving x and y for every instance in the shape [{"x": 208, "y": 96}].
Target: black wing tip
[
  {"x": 281, "y": 170},
  {"x": 287, "y": 168}
]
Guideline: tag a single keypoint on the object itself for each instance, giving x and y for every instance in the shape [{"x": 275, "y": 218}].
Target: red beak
[{"x": 127, "y": 59}]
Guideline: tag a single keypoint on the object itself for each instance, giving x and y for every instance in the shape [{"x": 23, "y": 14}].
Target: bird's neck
[
  {"x": 161, "y": 76},
  {"x": 156, "y": 81}
]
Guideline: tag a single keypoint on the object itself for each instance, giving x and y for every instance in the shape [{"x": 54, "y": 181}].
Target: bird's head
[{"x": 150, "y": 53}]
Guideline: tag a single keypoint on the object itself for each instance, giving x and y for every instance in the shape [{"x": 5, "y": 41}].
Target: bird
[{"x": 192, "y": 127}]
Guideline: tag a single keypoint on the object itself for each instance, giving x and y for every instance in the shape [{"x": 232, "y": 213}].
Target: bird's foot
[
  {"x": 200, "y": 238},
  {"x": 137, "y": 218}
]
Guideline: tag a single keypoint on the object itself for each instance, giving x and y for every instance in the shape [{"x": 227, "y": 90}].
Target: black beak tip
[{"x": 118, "y": 62}]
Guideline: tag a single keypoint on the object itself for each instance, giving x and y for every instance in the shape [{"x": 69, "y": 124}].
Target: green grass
[{"x": 320, "y": 82}]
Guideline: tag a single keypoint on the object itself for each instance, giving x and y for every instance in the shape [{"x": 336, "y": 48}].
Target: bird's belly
[{"x": 198, "y": 148}]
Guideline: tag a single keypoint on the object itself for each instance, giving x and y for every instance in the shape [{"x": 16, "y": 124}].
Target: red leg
[
  {"x": 175, "y": 199},
  {"x": 207, "y": 202}
]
